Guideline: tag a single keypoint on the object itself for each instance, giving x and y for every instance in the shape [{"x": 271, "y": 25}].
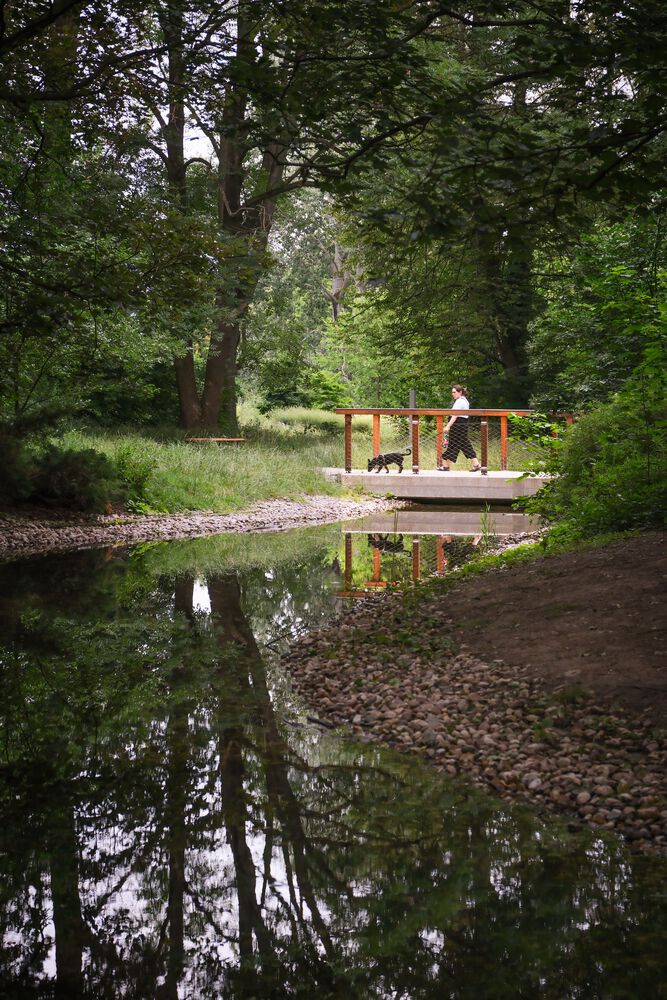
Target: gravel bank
[
  {"x": 26, "y": 536},
  {"x": 394, "y": 673}
]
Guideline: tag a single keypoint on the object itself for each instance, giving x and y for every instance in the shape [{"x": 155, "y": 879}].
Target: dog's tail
[{"x": 406, "y": 452}]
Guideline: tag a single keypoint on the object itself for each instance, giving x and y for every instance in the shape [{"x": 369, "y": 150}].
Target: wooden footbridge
[{"x": 426, "y": 480}]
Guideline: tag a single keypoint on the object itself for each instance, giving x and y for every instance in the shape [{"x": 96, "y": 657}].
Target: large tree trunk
[
  {"x": 240, "y": 215},
  {"x": 173, "y": 132},
  {"x": 219, "y": 396},
  {"x": 515, "y": 310},
  {"x": 189, "y": 407},
  {"x": 341, "y": 278},
  {"x": 505, "y": 290},
  {"x": 515, "y": 299}
]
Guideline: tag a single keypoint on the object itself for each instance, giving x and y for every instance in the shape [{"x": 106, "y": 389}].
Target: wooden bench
[{"x": 215, "y": 440}]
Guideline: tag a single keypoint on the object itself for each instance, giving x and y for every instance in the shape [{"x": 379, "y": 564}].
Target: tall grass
[{"x": 282, "y": 458}]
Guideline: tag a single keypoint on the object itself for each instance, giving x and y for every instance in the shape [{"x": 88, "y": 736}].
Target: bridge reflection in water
[{"x": 394, "y": 550}]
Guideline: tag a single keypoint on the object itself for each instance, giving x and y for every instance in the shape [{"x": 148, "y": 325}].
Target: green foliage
[
  {"x": 16, "y": 467},
  {"x": 73, "y": 480},
  {"x": 489, "y": 537},
  {"x": 38, "y": 471},
  {"x": 542, "y": 439},
  {"x": 135, "y": 472},
  {"x": 612, "y": 469},
  {"x": 284, "y": 324},
  {"x": 325, "y": 390},
  {"x": 604, "y": 301}
]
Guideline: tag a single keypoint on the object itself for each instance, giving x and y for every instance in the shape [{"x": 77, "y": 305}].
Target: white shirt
[{"x": 461, "y": 404}]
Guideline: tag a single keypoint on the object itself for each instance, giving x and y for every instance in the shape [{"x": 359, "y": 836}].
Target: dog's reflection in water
[{"x": 383, "y": 543}]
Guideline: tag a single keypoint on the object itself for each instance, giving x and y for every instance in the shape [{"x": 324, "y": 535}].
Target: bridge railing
[{"x": 414, "y": 416}]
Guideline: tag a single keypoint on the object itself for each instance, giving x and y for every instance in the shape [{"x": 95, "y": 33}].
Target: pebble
[{"x": 483, "y": 722}]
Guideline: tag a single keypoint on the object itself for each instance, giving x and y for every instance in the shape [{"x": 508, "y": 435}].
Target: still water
[{"x": 172, "y": 824}]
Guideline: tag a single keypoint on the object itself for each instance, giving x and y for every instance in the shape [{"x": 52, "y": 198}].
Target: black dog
[{"x": 383, "y": 461}]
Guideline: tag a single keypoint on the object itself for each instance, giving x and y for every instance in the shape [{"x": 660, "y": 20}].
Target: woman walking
[{"x": 457, "y": 429}]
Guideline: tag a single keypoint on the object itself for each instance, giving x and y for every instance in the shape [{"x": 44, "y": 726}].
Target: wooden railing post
[
  {"x": 439, "y": 555},
  {"x": 439, "y": 440},
  {"x": 484, "y": 432},
  {"x": 348, "y": 442},
  {"x": 376, "y": 565},
  {"x": 503, "y": 443},
  {"x": 415, "y": 443},
  {"x": 376, "y": 434},
  {"x": 348, "y": 560}
]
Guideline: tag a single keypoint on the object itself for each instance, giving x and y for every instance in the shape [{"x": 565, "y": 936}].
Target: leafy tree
[
  {"x": 94, "y": 262},
  {"x": 605, "y": 301},
  {"x": 280, "y": 106},
  {"x": 286, "y": 321},
  {"x": 529, "y": 121}
]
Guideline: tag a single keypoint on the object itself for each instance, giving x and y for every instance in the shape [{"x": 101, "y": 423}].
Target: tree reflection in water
[{"x": 166, "y": 832}]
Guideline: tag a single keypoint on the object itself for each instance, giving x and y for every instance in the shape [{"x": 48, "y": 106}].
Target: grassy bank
[
  {"x": 156, "y": 470},
  {"x": 282, "y": 457}
]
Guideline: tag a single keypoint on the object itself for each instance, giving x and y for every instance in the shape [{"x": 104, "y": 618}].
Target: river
[{"x": 174, "y": 825}]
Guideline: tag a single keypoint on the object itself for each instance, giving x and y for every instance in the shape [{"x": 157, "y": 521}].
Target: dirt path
[{"x": 595, "y": 618}]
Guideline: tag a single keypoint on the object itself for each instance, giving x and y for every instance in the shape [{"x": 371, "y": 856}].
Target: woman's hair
[{"x": 461, "y": 388}]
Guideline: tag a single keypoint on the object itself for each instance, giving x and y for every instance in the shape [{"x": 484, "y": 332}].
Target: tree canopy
[{"x": 457, "y": 158}]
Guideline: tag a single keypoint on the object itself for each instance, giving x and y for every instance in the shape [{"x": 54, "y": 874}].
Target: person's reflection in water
[{"x": 457, "y": 551}]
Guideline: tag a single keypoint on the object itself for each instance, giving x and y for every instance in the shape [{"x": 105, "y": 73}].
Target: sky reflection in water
[{"x": 171, "y": 826}]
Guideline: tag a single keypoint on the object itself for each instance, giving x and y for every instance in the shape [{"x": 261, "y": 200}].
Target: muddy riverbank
[
  {"x": 563, "y": 709},
  {"x": 36, "y": 533}
]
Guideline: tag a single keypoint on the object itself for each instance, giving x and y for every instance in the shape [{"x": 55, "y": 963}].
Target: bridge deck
[{"x": 430, "y": 484}]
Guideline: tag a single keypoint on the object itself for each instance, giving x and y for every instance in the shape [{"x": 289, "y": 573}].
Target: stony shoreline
[
  {"x": 23, "y": 535},
  {"x": 394, "y": 674}
]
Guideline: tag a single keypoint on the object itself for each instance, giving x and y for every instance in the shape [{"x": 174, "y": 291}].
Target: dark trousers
[{"x": 458, "y": 441}]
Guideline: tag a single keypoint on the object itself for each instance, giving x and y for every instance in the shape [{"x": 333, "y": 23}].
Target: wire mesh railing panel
[
  {"x": 410, "y": 442},
  {"x": 377, "y": 561}
]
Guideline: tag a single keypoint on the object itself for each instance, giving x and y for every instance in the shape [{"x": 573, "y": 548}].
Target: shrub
[
  {"x": 74, "y": 480},
  {"x": 15, "y": 463},
  {"x": 325, "y": 390},
  {"x": 611, "y": 469},
  {"x": 135, "y": 472}
]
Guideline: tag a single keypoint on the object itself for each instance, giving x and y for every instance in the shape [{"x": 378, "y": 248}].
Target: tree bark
[
  {"x": 189, "y": 407},
  {"x": 505, "y": 270},
  {"x": 173, "y": 133},
  {"x": 515, "y": 310},
  {"x": 219, "y": 396}
]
